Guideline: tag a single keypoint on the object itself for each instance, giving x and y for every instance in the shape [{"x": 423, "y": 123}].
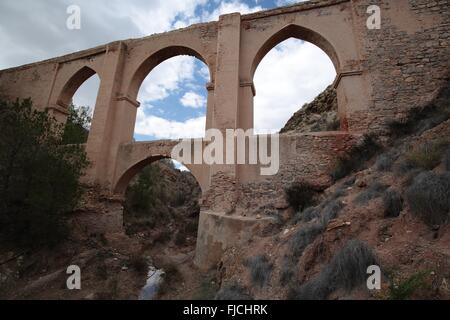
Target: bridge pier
[{"x": 218, "y": 232}]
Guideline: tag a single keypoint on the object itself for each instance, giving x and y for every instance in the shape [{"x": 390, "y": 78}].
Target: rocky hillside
[
  {"x": 389, "y": 209},
  {"x": 318, "y": 115}
]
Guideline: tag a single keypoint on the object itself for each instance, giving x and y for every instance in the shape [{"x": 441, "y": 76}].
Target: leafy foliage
[
  {"x": 76, "y": 129},
  {"x": 39, "y": 178}
]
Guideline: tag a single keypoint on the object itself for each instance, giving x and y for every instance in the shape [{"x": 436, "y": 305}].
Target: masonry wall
[{"x": 407, "y": 61}]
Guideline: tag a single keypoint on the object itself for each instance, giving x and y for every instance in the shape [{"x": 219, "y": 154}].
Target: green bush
[
  {"x": 39, "y": 177},
  {"x": 76, "y": 129},
  {"x": 429, "y": 197},
  {"x": 405, "y": 289},
  {"x": 300, "y": 195},
  {"x": 355, "y": 158}
]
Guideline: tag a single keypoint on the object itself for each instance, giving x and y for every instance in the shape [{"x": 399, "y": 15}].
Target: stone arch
[
  {"x": 157, "y": 58},
  {"x": 125, "y": 178},
  {"x": 301, "y": 33},
  {"x": 73, "y": 84}
]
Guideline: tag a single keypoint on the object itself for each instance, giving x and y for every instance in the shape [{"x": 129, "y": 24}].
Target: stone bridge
[{"x": 381, "y": 74}]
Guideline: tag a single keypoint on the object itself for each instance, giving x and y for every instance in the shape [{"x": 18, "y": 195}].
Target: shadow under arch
[
  {"x": 124, "y": 180},
  {"x": 157, "y": 58},
  {"x": 73, "y": 84},
  {"x": 298, "y": 32}
]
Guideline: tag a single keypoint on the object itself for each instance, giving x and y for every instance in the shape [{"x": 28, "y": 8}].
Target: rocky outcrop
[{"x": 319, "y": 115}]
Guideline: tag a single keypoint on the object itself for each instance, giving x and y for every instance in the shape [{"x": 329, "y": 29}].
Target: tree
[
  {"x": 76, "y": 129},
  {"x": 39, "y": 176}
]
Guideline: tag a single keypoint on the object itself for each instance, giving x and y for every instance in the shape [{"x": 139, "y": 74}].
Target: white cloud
[
  {"x": 161, "y": 128},
  {"x": 166, "y": 78},
  {"x": 281, "y": 3},
  {"x": 229, "y": 7},
  {"x": 193, "y": 100},
  {"x": 291, "y": 74}
]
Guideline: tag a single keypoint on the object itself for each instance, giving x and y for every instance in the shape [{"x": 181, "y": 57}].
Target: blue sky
[{"x": 173, "y": 96}]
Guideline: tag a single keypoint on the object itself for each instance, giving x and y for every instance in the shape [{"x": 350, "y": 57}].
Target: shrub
[
  {"x": 331, "y": 211},
  {"x": 347, "y": 270},
  {"x": 393, "y": 203},
  {"x": 418, "y": 120},
  {"x": 307, "y": 215},
  {"x": 429, "y": 197},
  {"x": 287, "y": 271},
  {"x": 355, "y": 158},
  {"x": 373, "y": 191},
  {"x": 300, "y": 195},
  {"x": 426, "y": 156},
  {"x": 260, "y": 270},
  {"x": 304, "y": 237},
  {"x": 207, "y": 290},
  {"x": 233, "y": 291},
  {"x": 76, "y": 129},
  {"x": 406, "y": 288},
  {"x": 180, "y": 238},
  {"x": 384, "y": 162},
  {"x": 138, "y": 264},
  {"x": 39, "y": 177},
  {"x": 446, "y": 160}
]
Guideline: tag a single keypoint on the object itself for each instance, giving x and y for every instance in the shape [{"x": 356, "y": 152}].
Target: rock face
[{"x": 318, "y": 115}]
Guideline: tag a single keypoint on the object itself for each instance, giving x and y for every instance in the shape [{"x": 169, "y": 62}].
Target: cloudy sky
[{"x": 173, "y": 96}]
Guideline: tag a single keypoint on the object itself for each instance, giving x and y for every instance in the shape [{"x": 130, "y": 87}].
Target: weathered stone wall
[
  {"x": 303, "y": 157},
  {"x": 407, "y": 60}
]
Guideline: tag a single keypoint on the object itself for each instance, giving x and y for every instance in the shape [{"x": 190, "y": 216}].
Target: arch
[
  {"x": 298, "y": 32},
  {"x": 73, "y": 84},
  {"x": 124, "y": 179},
  {"x": 157, "y": 58}
]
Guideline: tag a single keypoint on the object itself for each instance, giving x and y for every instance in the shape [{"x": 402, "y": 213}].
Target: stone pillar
[
  {"x": 227, "y": 73},
  {"x": 247, "y": 93},
  {"x": 225, "y": 111},
  {"x": 209, "y": 105},
  {"x": 102, "y": 133},
  {"x": 353, "y": 100}
]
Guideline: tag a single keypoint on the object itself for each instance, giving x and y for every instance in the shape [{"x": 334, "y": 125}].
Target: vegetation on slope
[{"x": 39, "y": 176}]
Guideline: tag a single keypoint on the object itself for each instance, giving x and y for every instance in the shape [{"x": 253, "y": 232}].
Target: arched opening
[
  {"x": 161, "y": 209},
  {"x": 78, "y": 97},
  {"x": 171, "y": 89},
  {"x": 293, "y": 73}
]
